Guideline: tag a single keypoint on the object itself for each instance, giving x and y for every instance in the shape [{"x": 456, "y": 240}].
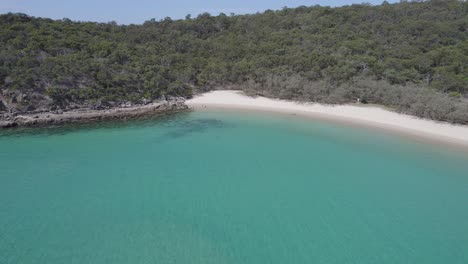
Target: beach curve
[{"x": 371, "y": 116}]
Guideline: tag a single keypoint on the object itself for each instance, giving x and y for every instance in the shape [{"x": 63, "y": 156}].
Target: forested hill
[{"x": 411, "y": 56}]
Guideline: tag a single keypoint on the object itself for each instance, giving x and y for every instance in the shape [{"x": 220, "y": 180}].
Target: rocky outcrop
[
  {"x": 18, "y": 102},
  {"x": 90, "y": 114}
]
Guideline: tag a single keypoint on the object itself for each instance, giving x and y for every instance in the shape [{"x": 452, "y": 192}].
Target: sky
[{"x": 138, "y": 11}]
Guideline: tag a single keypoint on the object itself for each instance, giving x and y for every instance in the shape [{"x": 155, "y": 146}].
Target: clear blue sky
[{"x": 137, "y": 11}]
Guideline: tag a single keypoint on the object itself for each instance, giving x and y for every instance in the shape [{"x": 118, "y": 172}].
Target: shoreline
[
  {"x": 87, "y": 115},
  {"x": 367, "y": 116}
]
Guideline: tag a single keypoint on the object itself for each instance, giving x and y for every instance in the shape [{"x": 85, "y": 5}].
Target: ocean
[{"x": 230, "y": 187}]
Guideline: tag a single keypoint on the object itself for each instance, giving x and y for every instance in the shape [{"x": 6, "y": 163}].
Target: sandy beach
[{"x": 370, "y": 116}]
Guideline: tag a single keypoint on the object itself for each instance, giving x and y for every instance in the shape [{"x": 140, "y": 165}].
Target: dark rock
[
  {"x": 98, "y": 105},
  {"x": 8, "y": 124},
  {"x": 3, "y": 106},
  {"x": 30, "y": 108}
]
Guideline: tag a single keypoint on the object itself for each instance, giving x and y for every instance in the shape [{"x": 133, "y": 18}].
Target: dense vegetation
[{"x": 411, "y": 56}]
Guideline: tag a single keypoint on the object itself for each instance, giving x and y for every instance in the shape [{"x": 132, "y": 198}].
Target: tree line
[{"x": 411, "y": 56}]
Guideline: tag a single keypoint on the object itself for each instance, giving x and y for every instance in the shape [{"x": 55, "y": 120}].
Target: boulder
[
  {"x": 99, "y": 105},
  {"x": 16, "y": 97},
  {"x": 111, "y": 104},
  {"x": 146, "y": 101},
  {"x": 30, "y": 108},
  {"x": 3, "y": 106}
]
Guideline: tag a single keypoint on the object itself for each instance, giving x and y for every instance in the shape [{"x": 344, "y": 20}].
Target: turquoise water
[{"x": 220, "y": 187}]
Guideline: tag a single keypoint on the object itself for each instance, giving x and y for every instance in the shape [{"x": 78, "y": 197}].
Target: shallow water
[{"x": 220, "y": 187}]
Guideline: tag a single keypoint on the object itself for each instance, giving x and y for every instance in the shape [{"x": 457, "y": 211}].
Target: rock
[
  {"x": 126, "y": 104},
  {"x": 47, "y": 116},
  {"x": 3, "y": 106},
  {"x": 17, "y": 97},
  {"x": 11, "y": 96},
  {"x": 8, "y": 80},
  {"x": 30, "y": 108},
  {"x": 7, "y": 124},
  {"x": 98, "y": 105},
  {"x": 146, "y": 101},
  {"x": 23, "y": 97}
]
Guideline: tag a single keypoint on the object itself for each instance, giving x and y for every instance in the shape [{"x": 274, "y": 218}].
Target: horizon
[{"x": 125, "y": 13}]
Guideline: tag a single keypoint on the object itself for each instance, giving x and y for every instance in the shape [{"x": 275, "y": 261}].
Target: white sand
[{"x": 362, "y": 115}]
